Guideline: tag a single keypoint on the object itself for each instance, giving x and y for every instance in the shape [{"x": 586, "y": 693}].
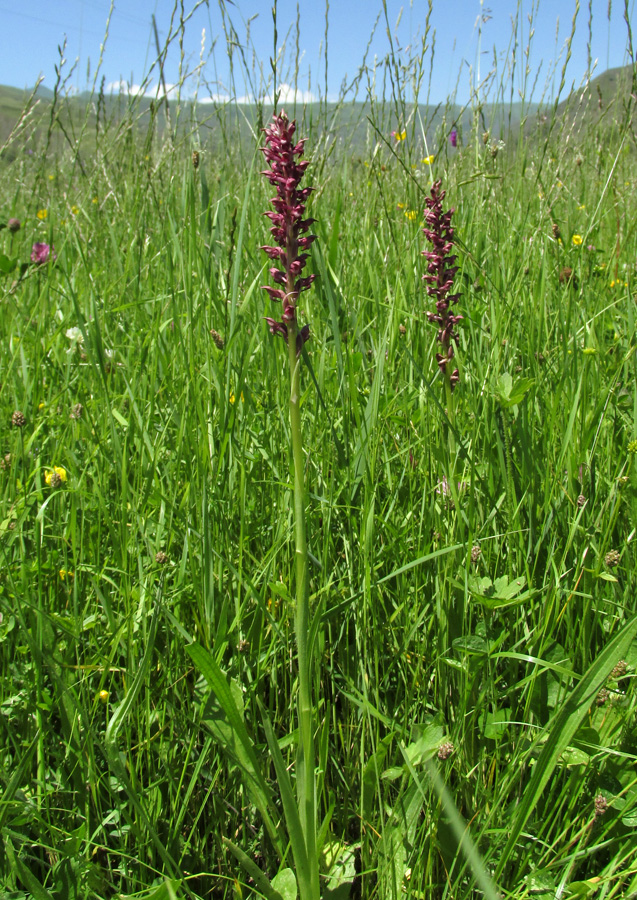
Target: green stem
[
  {"x": 451, "y": 418},
  {"x": 306, "y": 788}
]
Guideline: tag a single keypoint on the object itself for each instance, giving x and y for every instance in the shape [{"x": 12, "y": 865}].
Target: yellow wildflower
[
  {"x": 64, "y": 574},
  {"x": 400, "y": 135},
  {"x": 57, "y": 474},
  {"x": 51, "y": 177},
  {"x": 581, "y": 207},
  {"x": 410, "y": 214},
  {"x": 577, "y": 239},
  {"x": 103, "y": 696},
  {"x": 41, "y": 405},
  {"x": 95, "y": 200},
  {"x": 74, "y": 210},
  {"x": 42, "y": 214},
  {"x": 400, "y": 205},
  {"x": 428, "y": 160}
]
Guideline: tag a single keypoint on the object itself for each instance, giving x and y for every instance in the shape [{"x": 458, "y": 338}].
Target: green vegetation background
[{"x": 477, "y": 610}]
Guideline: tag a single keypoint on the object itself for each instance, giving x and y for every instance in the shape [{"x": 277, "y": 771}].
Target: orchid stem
[{"x": 306, "y": 789}]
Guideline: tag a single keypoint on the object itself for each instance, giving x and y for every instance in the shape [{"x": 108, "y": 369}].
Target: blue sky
[{"x": 469, "y": 37}]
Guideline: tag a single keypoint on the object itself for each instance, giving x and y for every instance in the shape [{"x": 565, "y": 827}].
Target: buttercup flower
[
  {"x": 428, "y": 160},
  {"x": 56, "y": 476},
  {"x": 577, "y": 240},
  {"x": 289, "y": 228},
  {"x": 41, "y": 252},
  {"x": 399, "y": 135},
  {"x": 42, "y": 214}
]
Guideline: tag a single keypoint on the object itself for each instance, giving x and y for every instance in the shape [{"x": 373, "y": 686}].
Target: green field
[{"x": 463, "y": 702}]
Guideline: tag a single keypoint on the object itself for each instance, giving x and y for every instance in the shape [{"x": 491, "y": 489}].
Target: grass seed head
[{"x": 612, "y": 559}]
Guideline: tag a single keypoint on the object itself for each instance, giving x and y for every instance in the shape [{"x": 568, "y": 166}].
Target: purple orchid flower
[
  {"x": 289, "y": 228},
  {"x": 439, "y": 278}
]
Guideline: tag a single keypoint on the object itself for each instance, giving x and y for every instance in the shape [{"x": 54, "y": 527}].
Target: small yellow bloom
[
  {"x": 42, "y": 214},
  {"x": 581, "y": 207},
  {"x": 400, "y": 205},
  {"x": 60, "y": 471},
  {"x": 410, "y": 214},
  {"x": 51, "y": 177},
  {"x": 231, "y": 398},
  {"x": 103, "y": 697},
  {"x": 64, "y": 574},
  {"x": 95, "y": 200},
  {"x": 428, "y": 160},
  {"x": 41, "y": 405},
  {"x": 400, "y": 135},
  {"x": 577, "y": 239},
  {"x": 74, "y": 210}
]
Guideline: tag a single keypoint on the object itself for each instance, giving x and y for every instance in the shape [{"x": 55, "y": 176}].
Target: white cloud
[
  {"x": 136, "y": 90},
  {"x": 123, "y": 87},
  {"x": 287, "y": 94},
  {"x": 214, "y": 98}
]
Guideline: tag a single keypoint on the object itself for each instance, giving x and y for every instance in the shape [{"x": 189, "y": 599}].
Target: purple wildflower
[
  {"x": 439, "y": 278},
  {"x": 453, "y": 137},
  {"x": 288, "y": 225},
  {"x": 40, "y": 253}
]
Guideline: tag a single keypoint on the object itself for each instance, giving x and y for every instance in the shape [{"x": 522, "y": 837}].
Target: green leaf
[
  {"x": 252, "y": 869},
  {"x": 229, "y": 728},
  {"x": 285, "y": 883},
  {"x": 119, "y": 716},
  {"x": 371, "y": 777},
  {"x": 7, "y": 265},
  {"x": 425, "y": 746},
  {"x": 509, "y": 393},
  {"x": 165, "y": 891},
  {"x": 31, "y": 883},
  {"x": 562, "y": 729},
  {"x": 585, "y": 888},
  {"x": 494, "y": 724},
  {"x": 290, "y": 810},
  {"x": 340, "y": 862}
]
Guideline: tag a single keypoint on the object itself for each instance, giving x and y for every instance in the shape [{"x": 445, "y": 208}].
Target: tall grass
[{"x": 475, "y": 651}]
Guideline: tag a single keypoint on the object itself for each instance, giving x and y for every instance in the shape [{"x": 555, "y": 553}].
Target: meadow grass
[{"x": 475, "y": 597}]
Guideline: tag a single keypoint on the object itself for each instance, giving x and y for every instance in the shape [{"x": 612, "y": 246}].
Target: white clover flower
[{"x": 76, "y": 338}]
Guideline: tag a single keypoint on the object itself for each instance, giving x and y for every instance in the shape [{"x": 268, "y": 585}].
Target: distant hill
[{"x": 345, "y": 126}]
